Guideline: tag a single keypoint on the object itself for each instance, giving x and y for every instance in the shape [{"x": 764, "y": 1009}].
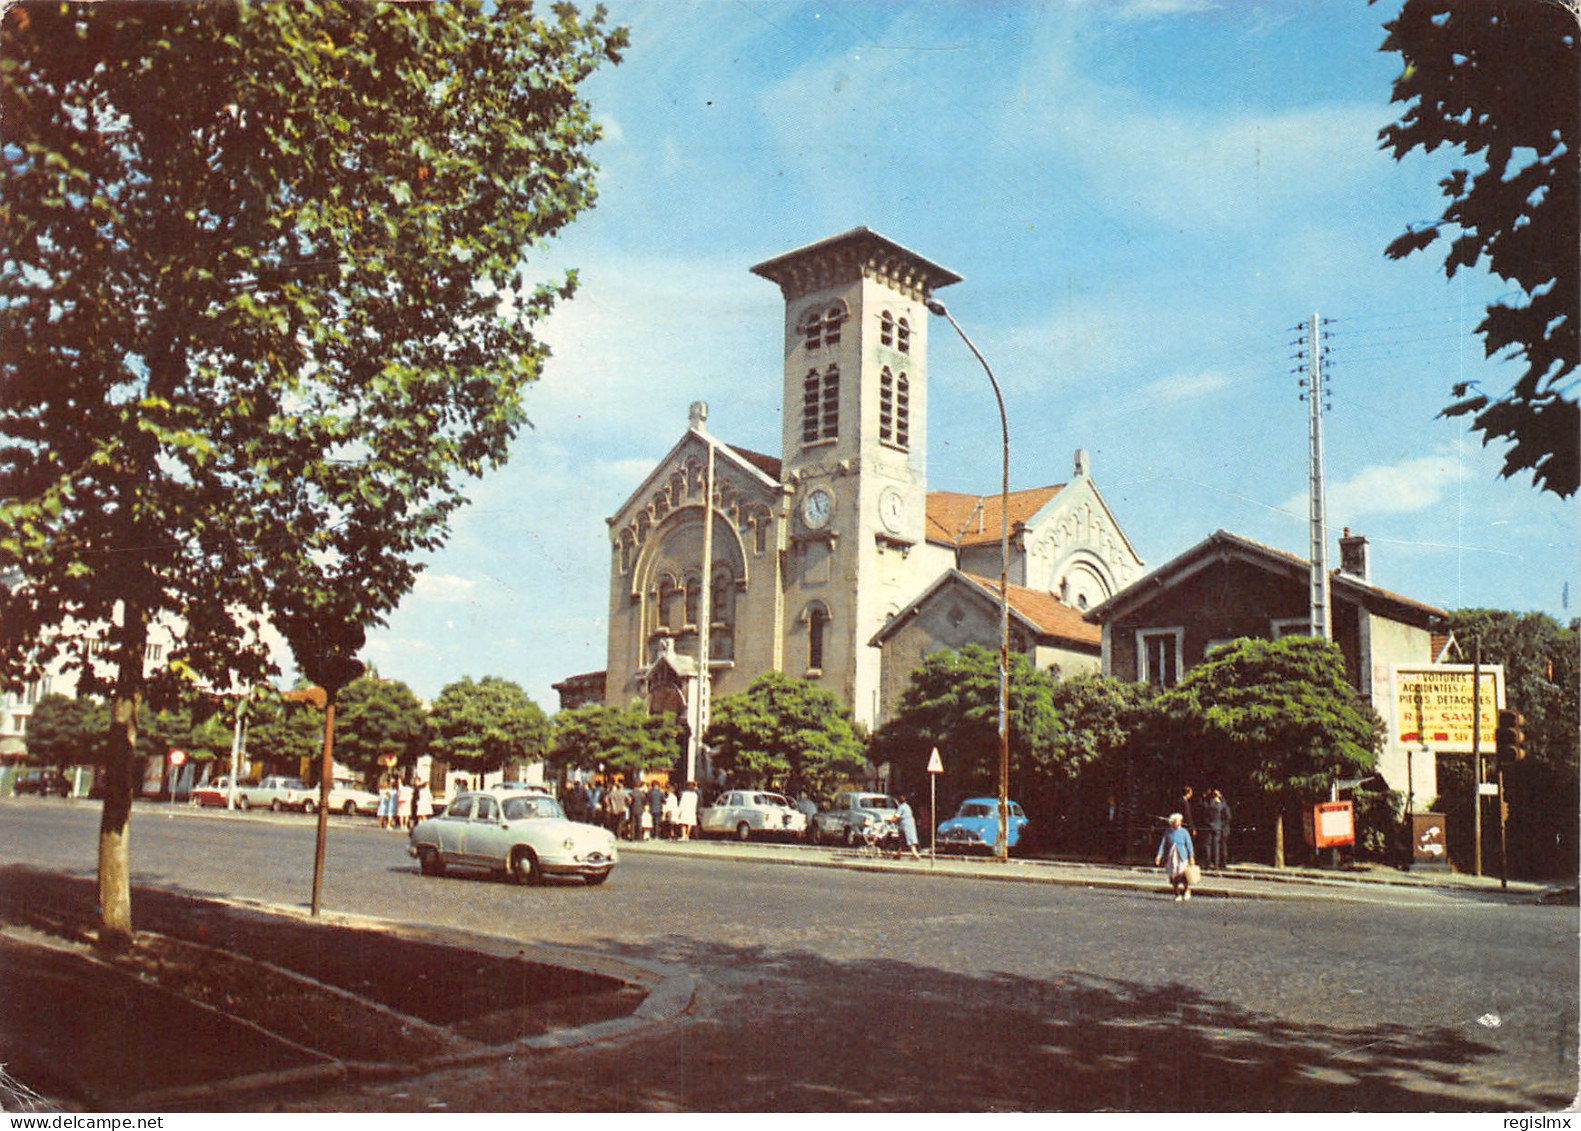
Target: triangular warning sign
[{"x": 935, "y": 763}]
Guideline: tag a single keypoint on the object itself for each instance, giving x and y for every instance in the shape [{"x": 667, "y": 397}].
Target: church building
[{"x": 810, "y": 562}]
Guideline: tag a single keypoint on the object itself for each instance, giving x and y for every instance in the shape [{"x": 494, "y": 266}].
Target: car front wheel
[
  {"x": 524, "y": 866},
  {"x": 814, "y": 834},
  {"x": 429, "y": 860},
  {"x": 743, "y": 831},
  {"x": 310, "y": 807},
  {"x": 349, "y": 809},
  {"x": 242, "y": 802}
]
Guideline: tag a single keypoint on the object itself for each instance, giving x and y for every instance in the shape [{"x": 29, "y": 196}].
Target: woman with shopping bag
[{"x": 1178, "y": 857}]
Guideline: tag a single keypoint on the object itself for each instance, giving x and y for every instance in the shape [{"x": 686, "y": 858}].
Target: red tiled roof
[
  {"x": 769, "y": 465},
  {"x": 1048, "y": 613},
  {"x": 961, "y": 520}
]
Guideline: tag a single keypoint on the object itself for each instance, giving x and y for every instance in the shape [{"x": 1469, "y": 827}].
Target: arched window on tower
[
  {"x": 694, "y": 594},
  {"x": 831, "y": 403},
  {"x": 811, "y": 401},
  {"x": 817, "y": 622},
  {"x": 902, "y": 412},
  {"x": 886, "y": 406},
  {"x": 812, "y": 329},
  {"x": 832, "y": 319},
  {"x": 903, "y": 336},
  {"x": 886, "y": 329}
]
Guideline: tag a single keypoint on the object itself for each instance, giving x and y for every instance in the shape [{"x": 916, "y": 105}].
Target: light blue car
[{"x": 976, "y": 825}]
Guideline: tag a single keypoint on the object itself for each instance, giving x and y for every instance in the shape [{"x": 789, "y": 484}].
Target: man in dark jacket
[
  {"x": 656, "y": 808},
  {"x": 1218, "y": 815}
]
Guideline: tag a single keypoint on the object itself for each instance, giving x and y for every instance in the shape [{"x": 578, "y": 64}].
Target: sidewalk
[{"x": 1238, "y": 881}]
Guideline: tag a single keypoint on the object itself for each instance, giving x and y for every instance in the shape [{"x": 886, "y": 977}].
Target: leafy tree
[
  {"x": 285, "y": 732},
  {"x": 263, "y": 281},
  {"x": 1542, "y": 682},
  {"x": 952, "y": 703},
  {"x": 1276, "y": 717},
  {"x": 65, "y": 732},
  {"x": 378, "y": 718},
  {"x": 481, "y": 726},
  {"x": 1498, "y": 81},
  {"x": 784, "y": 733},
  {"x": 1104, "y": 724},
  {"x": 623, "y": 740}
]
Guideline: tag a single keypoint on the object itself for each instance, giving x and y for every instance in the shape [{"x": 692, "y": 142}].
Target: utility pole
[
  {"x": 705, "y": 603},
  {"x": 1314, "y": 353}
]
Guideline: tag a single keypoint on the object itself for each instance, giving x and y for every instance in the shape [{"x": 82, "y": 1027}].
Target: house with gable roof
[{"x": 1228, "y": 586}]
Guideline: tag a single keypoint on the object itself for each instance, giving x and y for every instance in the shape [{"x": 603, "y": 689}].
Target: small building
[
  {"x": 1227, "y": 587},
  {"x": 960, "y": 609}
]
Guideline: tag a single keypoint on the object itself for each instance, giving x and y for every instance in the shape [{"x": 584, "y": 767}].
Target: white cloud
[
  {"x": 444, "y": 587},
  {"x": 1398, "y": 488}
]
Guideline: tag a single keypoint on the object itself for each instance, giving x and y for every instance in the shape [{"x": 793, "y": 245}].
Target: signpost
[
  {"x": 935, "y": 768},
  {"x": 177, "y": 759}
]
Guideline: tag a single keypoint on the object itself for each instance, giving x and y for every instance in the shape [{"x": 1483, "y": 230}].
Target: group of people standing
[
  {"x": 1177, "y": 853},
  {"x": 639, "y": 812},
  {"x": 403, "y": 800}
]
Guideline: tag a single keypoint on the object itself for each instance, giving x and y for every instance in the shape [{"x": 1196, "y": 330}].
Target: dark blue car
[{"x": 976, "y": 825}]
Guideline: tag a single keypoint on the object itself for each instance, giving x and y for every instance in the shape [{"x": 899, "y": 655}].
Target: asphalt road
[{"x": 825, "y": 989}]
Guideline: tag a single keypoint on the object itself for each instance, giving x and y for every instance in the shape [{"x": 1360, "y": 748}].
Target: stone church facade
[{"x": 803, "y": 559}]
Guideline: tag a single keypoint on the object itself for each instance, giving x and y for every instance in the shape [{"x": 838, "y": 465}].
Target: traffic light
[{"x": 1508, "y": 739}]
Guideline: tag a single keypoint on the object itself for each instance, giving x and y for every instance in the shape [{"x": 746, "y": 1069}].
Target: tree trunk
[{"x": 115, "y": 877}]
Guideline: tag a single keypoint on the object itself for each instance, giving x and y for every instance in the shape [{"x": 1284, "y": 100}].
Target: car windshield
[
  {"x": 770, "y": 799},
  {"x": 460, "y": 807},
  {"x": 531, "y": 808},
  {"x": 876, "y": 801},
  {"x": 975, "y": 810}
]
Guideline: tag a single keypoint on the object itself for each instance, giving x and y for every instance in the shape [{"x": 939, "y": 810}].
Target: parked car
[
  {"x": 345, "y": 796},
  {"x": 976, "y": 825},
  {"x": 212, "y": 793},
  {"x": 41, "y": 782},
  {"x": 853, "y": 817},
  {"x": 743, "y": 813},
  {"x": 276, "y": 792},
  {"x": 523, "y": 834}
]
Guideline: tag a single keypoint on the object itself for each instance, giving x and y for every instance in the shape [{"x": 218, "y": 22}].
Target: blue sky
[{"x": 1143, "y": 198}]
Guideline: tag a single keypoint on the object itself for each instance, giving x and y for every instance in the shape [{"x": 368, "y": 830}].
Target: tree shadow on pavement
[{"x": 790, "y": 1031}]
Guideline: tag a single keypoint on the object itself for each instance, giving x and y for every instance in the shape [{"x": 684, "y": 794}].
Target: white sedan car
[
  {"x": 525, "y": 835},
  {"x": 345, "y": 796},
  {"x": 745, "y": 813}
]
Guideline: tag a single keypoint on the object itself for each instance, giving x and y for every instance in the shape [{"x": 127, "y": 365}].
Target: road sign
[
  {"x": 935, "y": 763},
  {"x": 1488, "y": 788},
  {"x": 177, "y": 757}
]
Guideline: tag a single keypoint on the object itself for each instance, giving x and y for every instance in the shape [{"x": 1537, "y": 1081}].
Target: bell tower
[{"x": 854, "y": 450}]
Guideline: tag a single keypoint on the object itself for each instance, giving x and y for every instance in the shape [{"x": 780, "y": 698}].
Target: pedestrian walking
[
  {"x": 423, "y": 802},
  {"x": 1177, "y": 856},
  {"x": 1218, "y": 838},
  {"x": 655, "y": 801},
  {"x": 636, "y": 806},
  {"x": 615, "y": 807},
  {"x": 387, "y": 798},
  {"x": 686, "y": 810},
  {"x": 669, "y": 824},
  {"x": 908, "y": 829},
  {"x": 403, "y": 802}
]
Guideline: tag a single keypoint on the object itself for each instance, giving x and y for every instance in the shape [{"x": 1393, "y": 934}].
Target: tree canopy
[
  {"x": 952, "y": 703},
  {"x": 63, "y": 732},
  {"x": 787, "y": 734},
  {"x": 1275, "y": 716},
  {"x": 482, "y": 725},
  {"x": 1498, "y": 81},
  {"x": 265, "y": 290},
  {"x": 379, "y": 718},
  {"x": 619, "y": 740}
]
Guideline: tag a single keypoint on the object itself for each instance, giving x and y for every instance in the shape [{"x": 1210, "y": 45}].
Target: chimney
[
  {"x": 1353, "y": 555},
  {"x": 1082, "y": 464}
]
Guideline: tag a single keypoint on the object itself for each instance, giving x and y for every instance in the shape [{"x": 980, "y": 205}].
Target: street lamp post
[{"x": 1002, "y": 838}]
